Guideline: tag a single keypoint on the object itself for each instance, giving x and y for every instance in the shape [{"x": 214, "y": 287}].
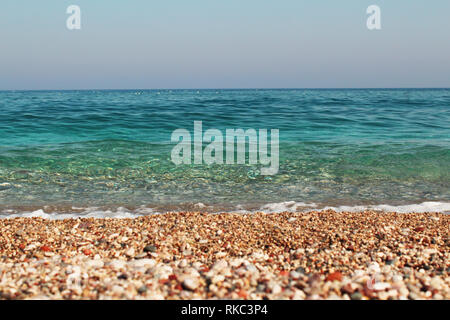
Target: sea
[{"x": 107, "y": 153}]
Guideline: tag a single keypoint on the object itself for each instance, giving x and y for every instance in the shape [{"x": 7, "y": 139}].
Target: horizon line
[{"x": 245, "y": 88}]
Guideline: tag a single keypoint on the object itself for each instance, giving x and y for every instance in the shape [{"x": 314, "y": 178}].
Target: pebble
[
  {"x": 381, "y": 286},
  {"x": 276, "y": 289},
  {"x": 374, "y": 267},
  {"x": 220, "y": 265},
  {"x": 300, "y": 270},
  {"x": 356, "y": 296},
  {"x": 94, "y": 263},
  {"x": 130, "y": 252},
  {"x": 335, "y": 276},
  {"x": 142, "y": 263},
  {"x": 190, "y": 284},
  {"x": 117, "y": 264},
  {"x": 142, "y": 289},
  {"x": 150, "y": 248}
]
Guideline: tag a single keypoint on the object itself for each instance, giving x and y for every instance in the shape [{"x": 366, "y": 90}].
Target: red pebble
[
  {"x": 335, "y": 276},
  {"x": 46, "y": 248},
  {"x": 172, "y": 277},
  {"x": 243, "y": 294},
  {"x": 87, "y": 252},
  {"x": 419, "y": 229}
]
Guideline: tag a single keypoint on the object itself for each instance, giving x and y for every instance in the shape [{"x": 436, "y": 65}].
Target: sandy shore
[{"x": 315, "y": 255}]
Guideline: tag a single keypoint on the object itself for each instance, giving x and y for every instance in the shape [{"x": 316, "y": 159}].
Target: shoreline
[
  {"x": 188, "y": 255},
  {"x": 70, "y": 211}
]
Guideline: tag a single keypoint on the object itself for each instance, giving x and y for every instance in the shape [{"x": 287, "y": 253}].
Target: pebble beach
[{"x": 193, "y": 255}]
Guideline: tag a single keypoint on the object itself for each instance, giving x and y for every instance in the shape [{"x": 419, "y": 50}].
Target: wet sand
[{"x": 314, "y": 255}]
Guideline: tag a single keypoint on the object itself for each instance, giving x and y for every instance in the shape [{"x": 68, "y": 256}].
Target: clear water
[{"x": 112, "y": 148}]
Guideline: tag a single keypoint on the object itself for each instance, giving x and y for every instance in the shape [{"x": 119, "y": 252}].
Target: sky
[{"x": 141, "y": 44}]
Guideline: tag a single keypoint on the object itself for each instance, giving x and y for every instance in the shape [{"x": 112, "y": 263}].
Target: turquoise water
[{"x": 112, "y": 148}]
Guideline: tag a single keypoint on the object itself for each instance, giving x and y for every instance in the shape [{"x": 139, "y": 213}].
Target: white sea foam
[
  {"x": 292, "y": 206},
  {"x": 443, "y": 207},
  {"x": 289, "y": 206},
  {"x": 90, "y": 212}
]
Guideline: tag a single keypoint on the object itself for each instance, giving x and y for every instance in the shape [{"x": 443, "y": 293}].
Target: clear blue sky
[{"x": 223, "y": 44}]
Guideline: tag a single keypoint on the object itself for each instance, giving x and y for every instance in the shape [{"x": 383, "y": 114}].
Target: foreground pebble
[{"x": 314, "y": 255}]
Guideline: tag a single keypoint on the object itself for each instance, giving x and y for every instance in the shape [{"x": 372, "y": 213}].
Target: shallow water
[{"x": 112, "y": 148}]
